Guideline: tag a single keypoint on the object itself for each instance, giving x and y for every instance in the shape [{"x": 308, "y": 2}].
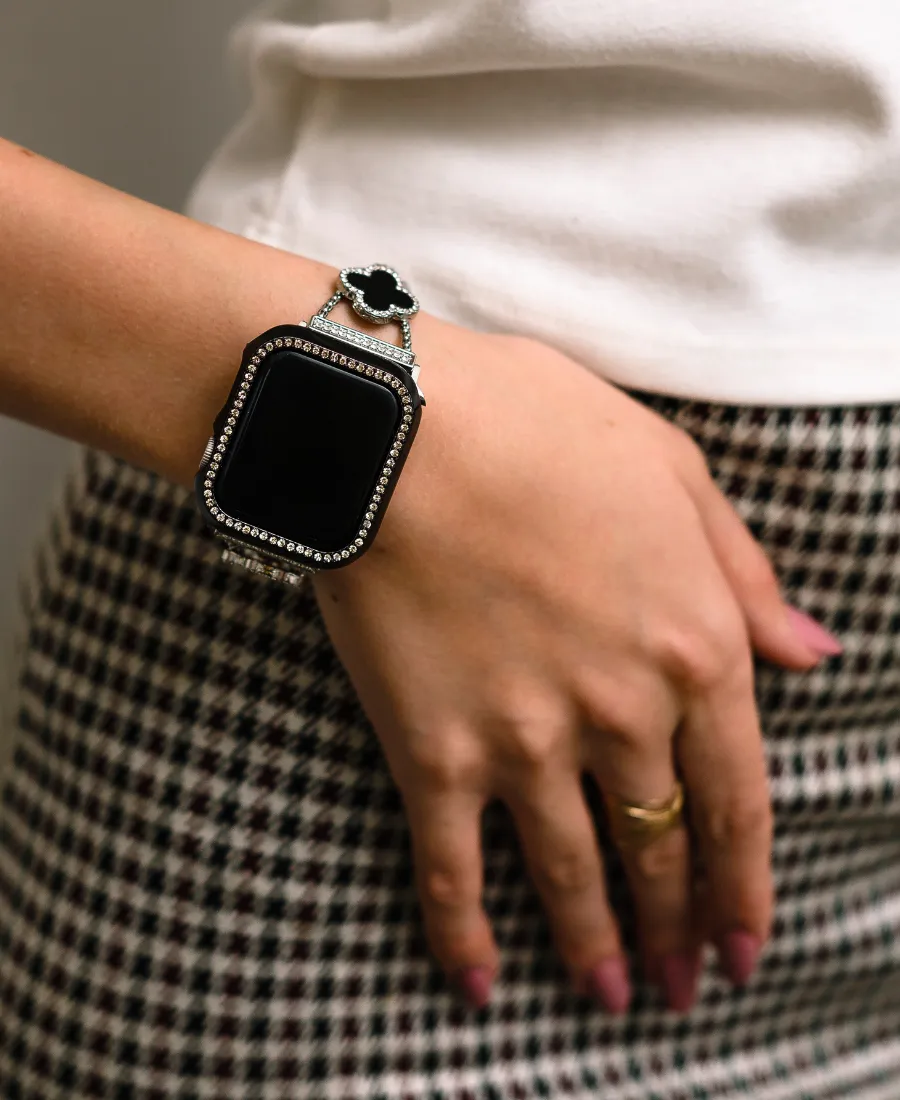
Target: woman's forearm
[{"x": 122, "y": 323}]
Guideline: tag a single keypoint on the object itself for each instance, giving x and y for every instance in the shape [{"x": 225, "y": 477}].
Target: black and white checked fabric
[{"x": 205, "y": 888}]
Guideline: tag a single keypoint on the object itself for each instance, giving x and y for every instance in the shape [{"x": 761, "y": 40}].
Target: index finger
[{"x": 445, "y": 828}]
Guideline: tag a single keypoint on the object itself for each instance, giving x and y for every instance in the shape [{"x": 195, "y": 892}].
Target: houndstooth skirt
[{"x": 205, "y": 879}]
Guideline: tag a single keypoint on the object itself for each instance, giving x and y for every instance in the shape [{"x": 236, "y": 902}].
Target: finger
[
  {"x": 777, "y": 631},
  {"x": 559, "y": 840},
  {"x": 720, "y": 752},
  {"x": 640, "y": 770},
  {"x": 446, "y": 841}
]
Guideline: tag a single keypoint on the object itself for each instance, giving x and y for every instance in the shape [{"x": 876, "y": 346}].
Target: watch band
[{"x": 377, "y": 294}]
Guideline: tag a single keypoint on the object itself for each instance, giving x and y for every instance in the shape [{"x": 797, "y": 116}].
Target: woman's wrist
[{"x": 124, "y": 323}]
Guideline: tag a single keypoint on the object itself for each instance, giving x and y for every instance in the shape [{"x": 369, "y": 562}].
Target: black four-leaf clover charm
[{"x": 377, "y": 293}]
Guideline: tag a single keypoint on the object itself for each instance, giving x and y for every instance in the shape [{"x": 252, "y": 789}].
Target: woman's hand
[{"x": 559, "y": 587}]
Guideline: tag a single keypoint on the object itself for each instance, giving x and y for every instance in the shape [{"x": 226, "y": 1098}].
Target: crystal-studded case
[{"x": 307, "y": 449}]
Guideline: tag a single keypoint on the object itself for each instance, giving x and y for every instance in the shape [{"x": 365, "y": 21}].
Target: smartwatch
[{"x": 306, "y": 451}]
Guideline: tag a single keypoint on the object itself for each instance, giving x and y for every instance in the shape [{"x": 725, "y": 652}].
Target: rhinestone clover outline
[{"x": 403, "y": 303}]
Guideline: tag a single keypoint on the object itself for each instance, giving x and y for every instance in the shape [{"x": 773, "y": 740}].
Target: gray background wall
[{"x": 136, "y": 95}]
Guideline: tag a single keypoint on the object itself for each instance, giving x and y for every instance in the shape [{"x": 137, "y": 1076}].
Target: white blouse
[{"x": 695, "y": 197}]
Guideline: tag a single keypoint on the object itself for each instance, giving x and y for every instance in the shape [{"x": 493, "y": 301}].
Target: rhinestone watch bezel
[{"x": 271, "y": 552}]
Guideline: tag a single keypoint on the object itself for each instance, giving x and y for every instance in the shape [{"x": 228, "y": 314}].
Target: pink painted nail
[
  {"x": 738, "y": 954},
  {"x": 475, "y": 982},
  {"x": 814, "y": 634},
  {"x": 609, "y": 983},
  {"x": 679, "y": 975}
]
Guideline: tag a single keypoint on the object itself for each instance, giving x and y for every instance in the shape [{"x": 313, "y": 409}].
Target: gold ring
[{"x": 635, "y": 824}]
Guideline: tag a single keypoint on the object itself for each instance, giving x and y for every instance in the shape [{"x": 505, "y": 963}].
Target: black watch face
[{"x": 309, "y": 450}]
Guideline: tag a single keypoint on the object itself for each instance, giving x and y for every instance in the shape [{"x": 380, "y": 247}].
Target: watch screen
[{"x": 308, "y": 451}]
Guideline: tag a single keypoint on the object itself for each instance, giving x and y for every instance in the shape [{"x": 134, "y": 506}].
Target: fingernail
[
  {"x": 609, "y": 983},
  {"x": 814, "y": 634},
  {"x": 475, "y": 983},
  {"x": 679, "y": 974},
  {"x": 738, "y": 954}
]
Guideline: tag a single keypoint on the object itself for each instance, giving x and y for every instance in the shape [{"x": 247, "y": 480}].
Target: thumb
[{"x": 779, "y": 632}]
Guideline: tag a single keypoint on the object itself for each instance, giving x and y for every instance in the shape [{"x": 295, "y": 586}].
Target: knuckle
[
  {"x": 515, "y": 701},
  {"x": 533, "y": 748},
  {"x": 741, "y": 822},
  {"x": 447, "y": 888},
  {"x": 530, "y": 730},
  {"x": 625, "y": 709},
  {"x": 665, "y": 858},
  {"x": 567, "y": 874},
  {"x": 703, "y": 655},
  {"x": 446, "y": 759}
]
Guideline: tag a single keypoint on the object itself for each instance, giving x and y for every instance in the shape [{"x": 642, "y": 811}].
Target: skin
[{"x": 558, "y": 587}]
